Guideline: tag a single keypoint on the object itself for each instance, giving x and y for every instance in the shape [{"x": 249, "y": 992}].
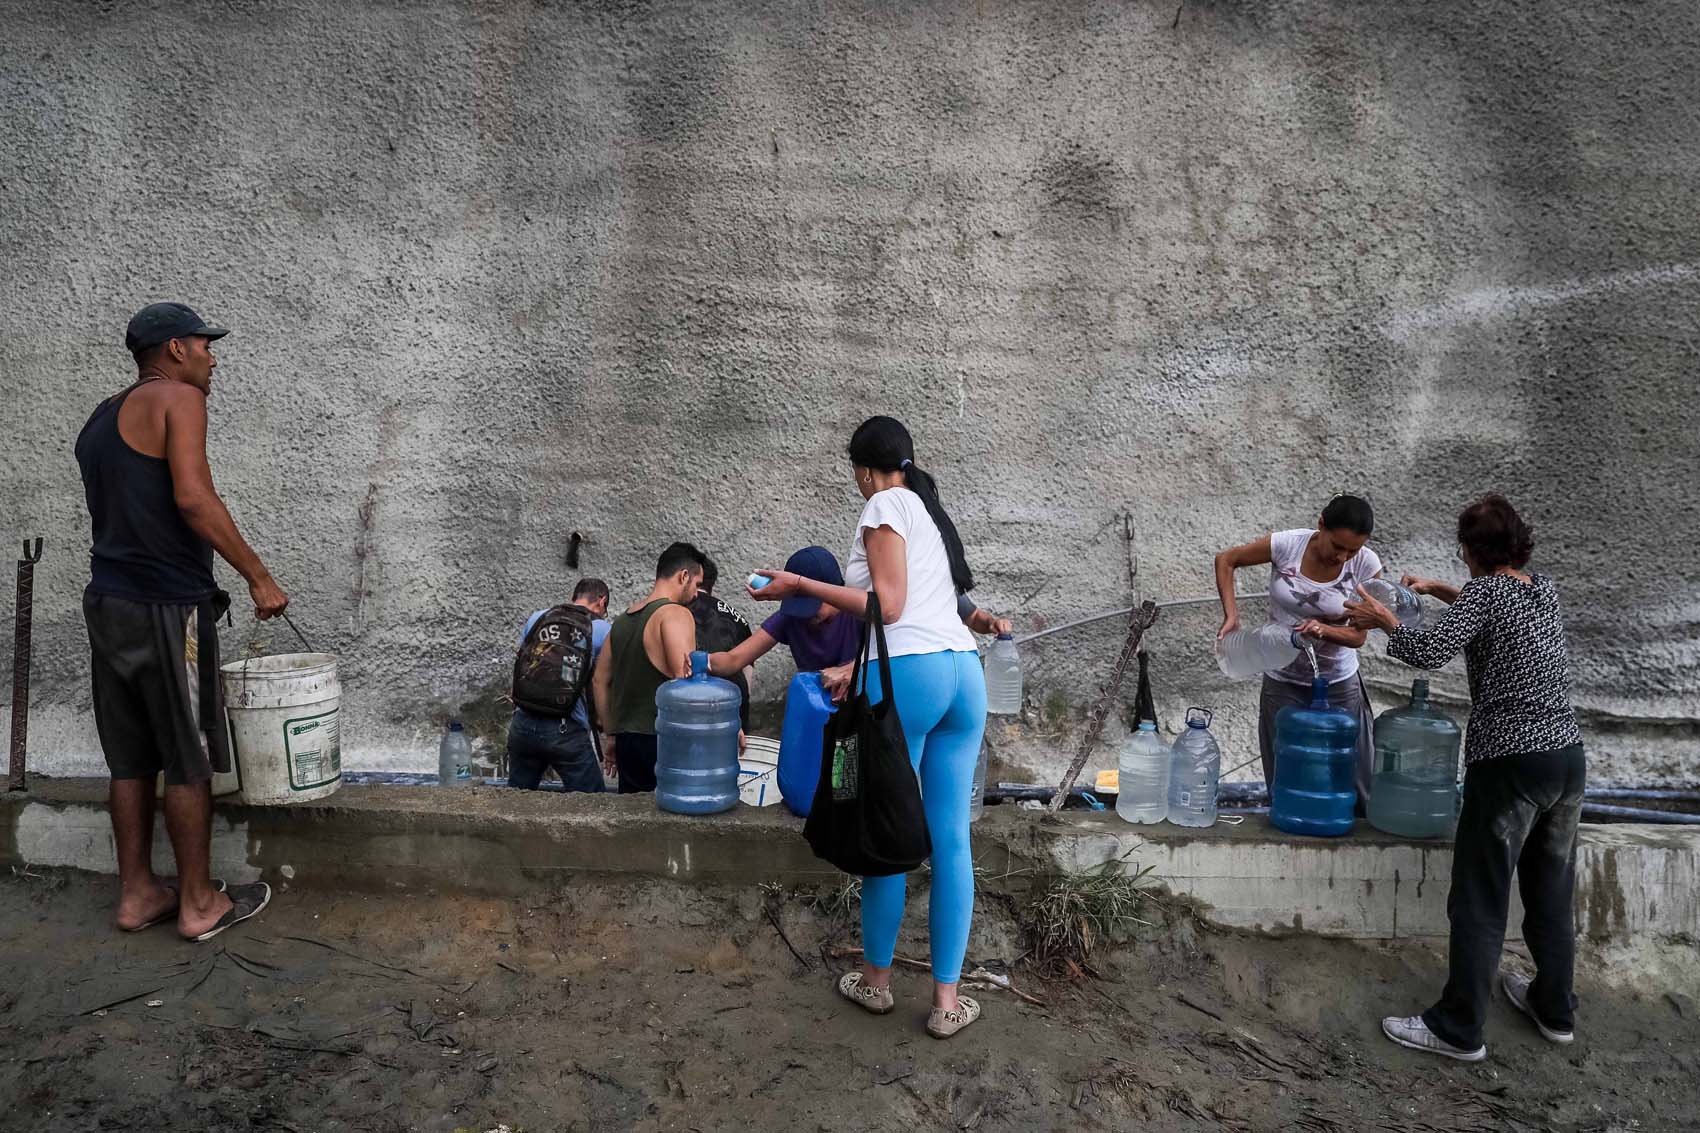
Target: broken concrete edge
[{"x": 1638, "y": 887}]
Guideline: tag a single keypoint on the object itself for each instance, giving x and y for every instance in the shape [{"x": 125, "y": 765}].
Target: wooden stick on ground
[
  {"x": 979, "y": 977},
  {"x": 1138, "y": 622}
]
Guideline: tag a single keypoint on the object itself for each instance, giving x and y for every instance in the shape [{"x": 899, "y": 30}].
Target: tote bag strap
[{"x": 873, "y": 629}]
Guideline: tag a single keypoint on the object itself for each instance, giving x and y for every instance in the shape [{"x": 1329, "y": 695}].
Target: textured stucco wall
[{"x": 502, "y": 270}]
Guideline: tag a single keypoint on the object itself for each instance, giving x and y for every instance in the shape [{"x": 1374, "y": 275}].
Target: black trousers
[
  {"x": 634, "y": 755},
  {"x": 1520, "y": 813}
]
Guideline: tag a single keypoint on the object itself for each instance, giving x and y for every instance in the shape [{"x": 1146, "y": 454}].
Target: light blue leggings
[{"x": 941, "y": 702}]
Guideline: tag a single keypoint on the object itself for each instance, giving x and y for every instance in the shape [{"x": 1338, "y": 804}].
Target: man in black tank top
[{"x": 151, "y": 607}]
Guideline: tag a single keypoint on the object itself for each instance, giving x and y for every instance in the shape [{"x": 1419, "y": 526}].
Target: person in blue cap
[{"x": 822, "y": 637}]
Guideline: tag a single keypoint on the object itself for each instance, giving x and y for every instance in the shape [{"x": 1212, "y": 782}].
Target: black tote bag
[{"x": 866, "y": 818}]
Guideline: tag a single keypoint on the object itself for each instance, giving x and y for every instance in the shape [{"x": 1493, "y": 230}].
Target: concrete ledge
[
  {"x": 1637, "y": 884},
  {"x": 487, "y": 839},
  {"x": 1634, "y": 883}
]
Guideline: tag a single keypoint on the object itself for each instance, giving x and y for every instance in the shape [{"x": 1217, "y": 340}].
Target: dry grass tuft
[{"x": 1074, "y": 914}]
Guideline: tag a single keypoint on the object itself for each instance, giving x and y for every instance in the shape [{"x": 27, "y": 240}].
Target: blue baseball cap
[{"x": 816, "y": 563}]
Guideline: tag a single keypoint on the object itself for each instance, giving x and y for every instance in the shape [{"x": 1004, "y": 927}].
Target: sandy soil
[{"x": 652, "y": 1006}]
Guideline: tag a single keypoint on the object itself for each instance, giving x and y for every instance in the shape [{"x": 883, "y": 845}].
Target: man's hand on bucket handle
[{"x": 269, "y": 598}]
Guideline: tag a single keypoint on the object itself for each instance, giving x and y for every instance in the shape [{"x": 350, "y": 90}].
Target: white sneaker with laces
[
  {"x": 1414, "y": 1033},
  {"x": 1517, "y": 991}
]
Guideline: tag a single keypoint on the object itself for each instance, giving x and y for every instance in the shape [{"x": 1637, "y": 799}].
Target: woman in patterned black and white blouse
[{"x": 1523, "y": 779}]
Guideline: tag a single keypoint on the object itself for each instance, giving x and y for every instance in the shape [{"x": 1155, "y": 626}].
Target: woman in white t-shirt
[
  {"x": 1312, "y": 574},
  {"x": 906, "y": 549}
]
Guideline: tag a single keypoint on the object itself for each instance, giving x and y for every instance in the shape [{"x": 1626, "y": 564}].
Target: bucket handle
[{"x": 249, "y": 652}]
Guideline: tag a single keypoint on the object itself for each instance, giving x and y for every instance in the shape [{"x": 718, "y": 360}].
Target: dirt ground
[{"x": 651, "y": 1006}]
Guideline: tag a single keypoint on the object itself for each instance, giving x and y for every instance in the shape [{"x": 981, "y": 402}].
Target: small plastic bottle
[
  {"x": 1250, "y": 652},
  {"x": 1003, "y": 676},
  {"x": 977, "y": 795},
  {"x": 454, "y": 758}
]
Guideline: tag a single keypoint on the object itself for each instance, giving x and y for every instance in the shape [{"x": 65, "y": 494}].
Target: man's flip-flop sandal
[
  {"x": 868, "y": 998},
  {"x": 245, "y": 901},
  {"x": 171, "y": 913},
  {"x": 942, "y": 1024}
]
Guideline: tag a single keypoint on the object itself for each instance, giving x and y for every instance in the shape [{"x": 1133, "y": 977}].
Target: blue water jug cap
[
  {"x": 1319, "y": 692},
  {"x": 1006, "y": 637},
  {"x": 1147, "y": 726},
  {"x": 454, "y": 725},
  {"x": 699, "y": 666},
  {"x": 1202, "y": 720}
]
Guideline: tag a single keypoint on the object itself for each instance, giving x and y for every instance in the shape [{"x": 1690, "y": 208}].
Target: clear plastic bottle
[
  {"x": 1195, "y": 766},
  {"x": 1249, "y": 652},
  {"x": 1143, "y": 775},
  {"x": 1402, "y": 600},
  {"x": 1003, "y": 676},
  {"x": 977, "y": 795},
  {"x": 454, "y": 758}
]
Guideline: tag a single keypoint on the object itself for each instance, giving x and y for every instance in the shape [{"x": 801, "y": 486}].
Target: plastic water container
[
  {"x": 1003, "y": 676},
  {"x": 1402, "y": 600},
  {"x": 696, "y": 742},
  {"x": 284, "y": 716},
  {"x": 454, "y": 758},
  {"x": 1316, "y": 759},
  {"x": 1195, "y": 765},
  {"x": 1248, "y": 652},
  {"x": 1142, "y": 790},
  {"x": 807, "y": 710},
  {"x": 1414, "y": 792},
  {"x": 977, "y": 793}
]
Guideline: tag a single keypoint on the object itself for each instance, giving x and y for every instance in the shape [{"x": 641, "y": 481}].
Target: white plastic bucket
[
  {"x": 284, "y": 726},
  {"x": 758, "y": 772}
]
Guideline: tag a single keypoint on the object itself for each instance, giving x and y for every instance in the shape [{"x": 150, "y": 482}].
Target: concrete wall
[{"x": 503, "y": 270}]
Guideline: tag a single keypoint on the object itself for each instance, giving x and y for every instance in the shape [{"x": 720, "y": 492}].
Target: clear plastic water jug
[
  {"x": 1003, "y": 676},
  {"x": 808, "y": 707},
  {"x": 1402, "y": 600},
  {"x": 696, "y": 742},
  {"x": 1414, "y": 792},
  {"x": 1195, "y": 764},
  {"x": 1249, "y": 652},
  {"x": 1316, "y": 759},
  {"x": 1142, "y": 793},
  {"x": 977, "y": 796},
  {"x": 454, "y": 758}
]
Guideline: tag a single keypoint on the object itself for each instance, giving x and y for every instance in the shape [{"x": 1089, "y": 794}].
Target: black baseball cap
[
  {"x": 816, "y": 563},
  {"x": 162, "y": 322}
]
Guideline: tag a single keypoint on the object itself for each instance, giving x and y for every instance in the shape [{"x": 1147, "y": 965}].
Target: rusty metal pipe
[{"x": 21, "y": 619}]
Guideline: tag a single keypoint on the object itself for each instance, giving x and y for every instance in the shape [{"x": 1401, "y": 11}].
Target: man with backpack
[{"x": 551, "y": 726}]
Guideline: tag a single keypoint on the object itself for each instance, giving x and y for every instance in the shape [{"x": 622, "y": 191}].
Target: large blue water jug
[
  {"x": 696, "y": 742},
  {"x": 1316, "y": 756},
  {"x": 807, "y": 709},
  {"x": 1415, "y": 790}
]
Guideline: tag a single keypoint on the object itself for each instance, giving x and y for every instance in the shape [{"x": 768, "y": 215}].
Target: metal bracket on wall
[{"x": 21, "y": 620}]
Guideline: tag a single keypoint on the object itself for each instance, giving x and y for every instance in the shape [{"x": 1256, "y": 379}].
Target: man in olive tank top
[
  {"x": 650, "y": 644},
  {"x": 151, "y": 607}
]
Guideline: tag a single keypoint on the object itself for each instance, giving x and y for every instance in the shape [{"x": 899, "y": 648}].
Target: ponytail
[{"x": 883, "y": 444}]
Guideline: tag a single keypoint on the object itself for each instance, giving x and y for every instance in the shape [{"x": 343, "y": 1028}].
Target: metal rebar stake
[
  {"x": 21, "y": 662},
  {"x": 1137, "y": 624}
]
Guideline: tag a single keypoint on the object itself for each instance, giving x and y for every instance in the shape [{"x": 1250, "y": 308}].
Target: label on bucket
[{"x": 313, "y": 750}]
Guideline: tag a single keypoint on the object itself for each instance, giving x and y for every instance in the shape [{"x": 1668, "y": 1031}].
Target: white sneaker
[
  {"x": 1414, "y": 1033},
  {"x": 1517, "y": 991}
]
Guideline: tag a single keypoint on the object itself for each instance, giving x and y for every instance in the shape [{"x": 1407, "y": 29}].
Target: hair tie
[{"x": 906, "y": 464}]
